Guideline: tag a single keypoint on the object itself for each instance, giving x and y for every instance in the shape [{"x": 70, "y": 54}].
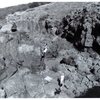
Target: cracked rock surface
[{"x": 51, "y": 51}]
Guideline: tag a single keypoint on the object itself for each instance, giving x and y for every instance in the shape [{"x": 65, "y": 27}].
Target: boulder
[
  {"x": 33, "y": 84},
  {"x": 14, "y": 86},
  {"x": 68, "y": 61}
]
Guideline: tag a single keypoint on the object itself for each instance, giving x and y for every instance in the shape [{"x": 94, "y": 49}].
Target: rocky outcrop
[
  {"x": 40, "y": 46},
  {"x": 81, "y": 27}
]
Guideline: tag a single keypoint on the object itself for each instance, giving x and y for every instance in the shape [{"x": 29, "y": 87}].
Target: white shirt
[{"x": 62, "y": 78}]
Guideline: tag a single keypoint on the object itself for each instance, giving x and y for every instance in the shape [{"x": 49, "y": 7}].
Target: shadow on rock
[{"x": 91, "y": 93}]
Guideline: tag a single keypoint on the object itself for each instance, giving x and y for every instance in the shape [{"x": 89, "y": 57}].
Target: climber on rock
[
  {"x": 61, "y": 80},
  {"x": 60, "y": 83}
]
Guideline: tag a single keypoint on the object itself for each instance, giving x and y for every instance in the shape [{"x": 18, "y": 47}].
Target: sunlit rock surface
[{"x": 36, "y": 49}]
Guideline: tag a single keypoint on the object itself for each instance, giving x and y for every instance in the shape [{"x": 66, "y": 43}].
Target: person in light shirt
[{"x": 60, "y": 83}]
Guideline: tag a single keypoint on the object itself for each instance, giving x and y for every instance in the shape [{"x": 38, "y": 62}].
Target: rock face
[
  {"x": 40, "y": 45},
  {"x": 81, "y": 27}
]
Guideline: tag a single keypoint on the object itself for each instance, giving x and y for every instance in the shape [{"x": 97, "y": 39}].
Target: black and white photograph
[{"x": 50, "y": 50}]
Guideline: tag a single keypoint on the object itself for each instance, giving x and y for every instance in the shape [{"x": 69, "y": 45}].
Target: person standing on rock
[
  {"x": 60, "y": 83},
  {"x": 62, "y": 78}
]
